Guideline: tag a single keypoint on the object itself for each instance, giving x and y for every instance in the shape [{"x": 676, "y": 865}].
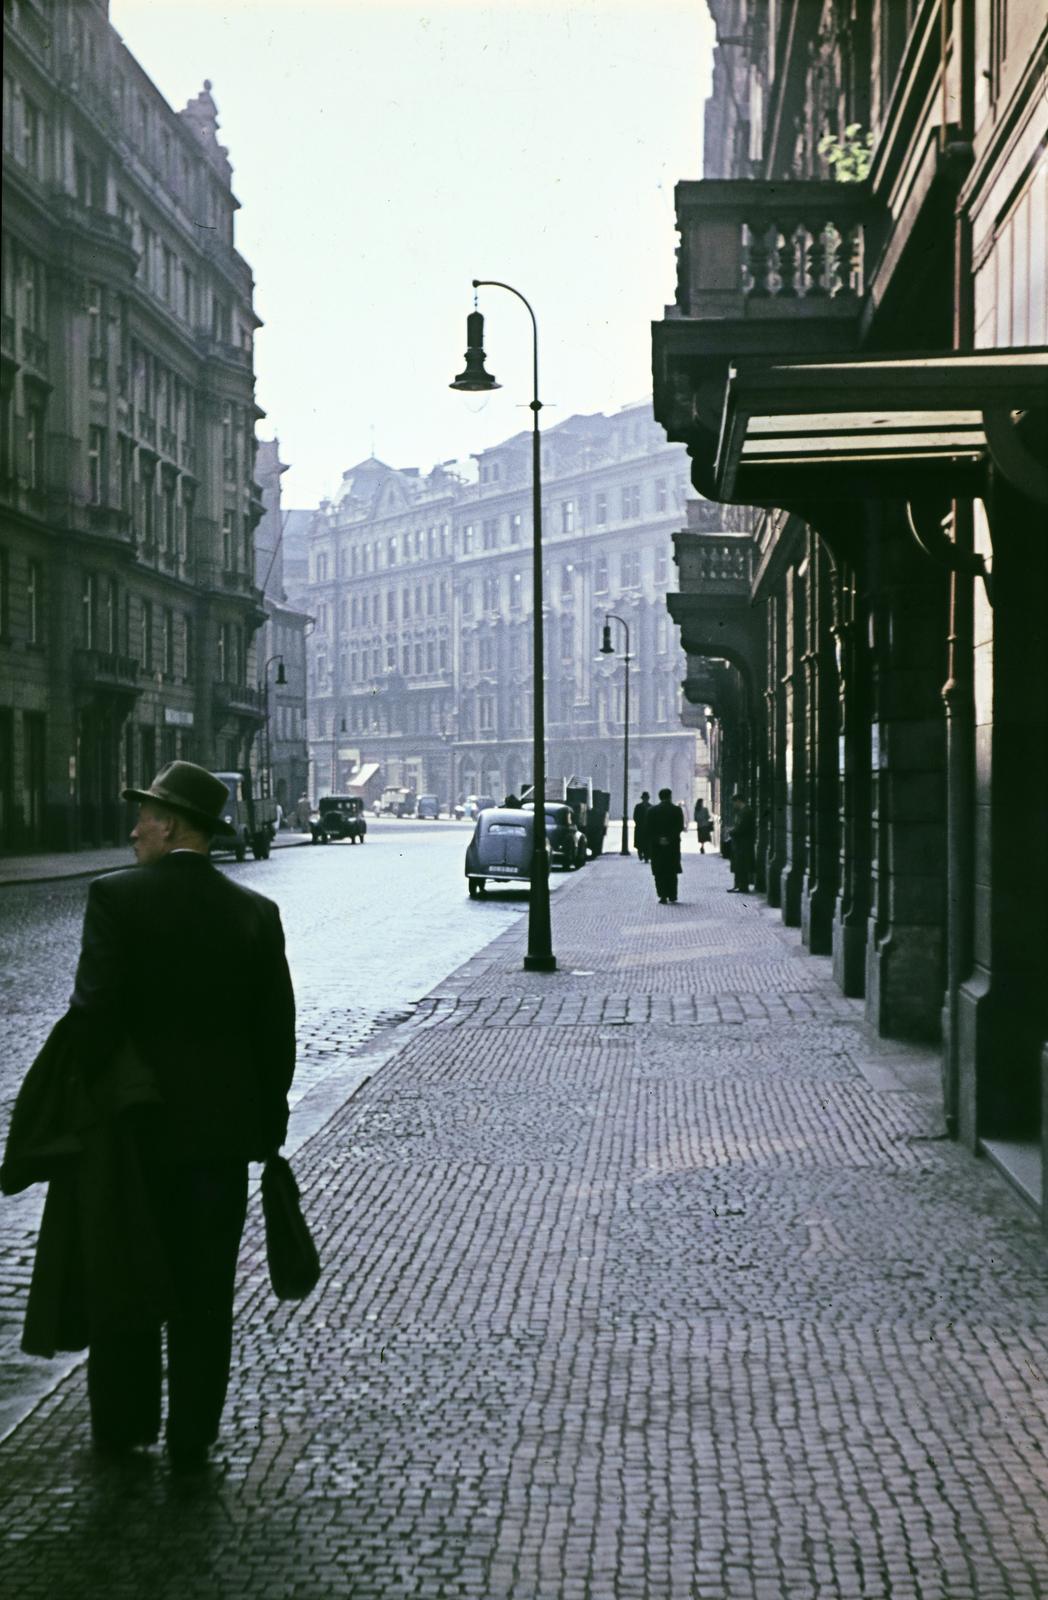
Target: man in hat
[{"x": 187, "y": 968}]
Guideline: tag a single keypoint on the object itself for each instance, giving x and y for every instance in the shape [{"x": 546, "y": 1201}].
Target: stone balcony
[
  {"x": 239, "y": 700},
  {"x": 105, "y": 672},
  {"x": 763, "y": 269},
  {"x": 713, "y": 607}
]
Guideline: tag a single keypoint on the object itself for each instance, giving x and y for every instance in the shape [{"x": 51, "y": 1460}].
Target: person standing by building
[
  {"x": 640, "y": 814},
  {"x": 182, "y": 972},
  {"x": 663, "y": 827},
  {"x": 703, "y": 825},
  {"x": 743, "y": 839}
]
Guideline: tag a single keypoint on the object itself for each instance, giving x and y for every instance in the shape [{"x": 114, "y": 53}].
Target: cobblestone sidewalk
[{"x": 654, "y": 1279}]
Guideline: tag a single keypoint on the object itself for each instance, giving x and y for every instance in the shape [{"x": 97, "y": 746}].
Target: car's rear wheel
[{"x": 476, "y": 888}]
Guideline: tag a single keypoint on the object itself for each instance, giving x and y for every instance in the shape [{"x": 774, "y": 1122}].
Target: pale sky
[{"x": 386, "y": 152}]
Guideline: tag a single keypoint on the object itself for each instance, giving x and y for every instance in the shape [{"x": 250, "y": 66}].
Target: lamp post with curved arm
[
  {"x": 608, "y": 649},
  {"x": 473, "y": 379},
  {"x": 267, "y": 766}
]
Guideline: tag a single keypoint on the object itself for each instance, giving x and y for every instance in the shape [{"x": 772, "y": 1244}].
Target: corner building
[
  {"x": 128, "y": 603},
  {"x": 858, "y": 351},
  {"x": 421, "y": 586}
]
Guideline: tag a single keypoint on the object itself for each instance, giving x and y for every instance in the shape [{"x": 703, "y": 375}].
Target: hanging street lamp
[{"x": 475, "y": 379}]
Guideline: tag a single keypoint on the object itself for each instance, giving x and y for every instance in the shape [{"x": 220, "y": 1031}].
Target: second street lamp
[
  {"x": 608, "y": 649},
  {"x": 474, "y": 379}
]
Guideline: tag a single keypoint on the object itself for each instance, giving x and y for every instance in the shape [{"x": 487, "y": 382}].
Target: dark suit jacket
[
  {"x": 663, "y": 827},
  {"x": 188, "y": 967}
]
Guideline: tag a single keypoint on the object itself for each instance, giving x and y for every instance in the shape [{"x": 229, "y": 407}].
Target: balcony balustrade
[
  {"x": 714, "y": 564},
  {"x": 106, "y": 671},
  {"x": 756, "y": 250},
  {"x": 34, "y": 350},
  {"x": 239, "y": 700}
]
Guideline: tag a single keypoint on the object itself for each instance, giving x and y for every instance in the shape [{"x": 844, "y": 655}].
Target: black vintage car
[
  {"x": 501, "y": 846},
  {"x": 339, "y": 816}
]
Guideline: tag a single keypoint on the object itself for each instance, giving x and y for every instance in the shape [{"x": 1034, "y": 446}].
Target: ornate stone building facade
[
  {"x": 128, "y": 602},
  {"x": 858, "y": 347},
  {"x": 421, "y": 589},
  {"x": 281, "y": 754}
]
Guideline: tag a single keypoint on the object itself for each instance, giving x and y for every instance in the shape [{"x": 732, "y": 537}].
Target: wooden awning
[{"x": 892, "y": 426}]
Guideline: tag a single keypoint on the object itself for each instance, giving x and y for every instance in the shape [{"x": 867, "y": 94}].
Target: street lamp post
[
  {"x": 474, "y": 378},
  {"x": 608, "y": 649},
  {"x": 267, "y": 768}
]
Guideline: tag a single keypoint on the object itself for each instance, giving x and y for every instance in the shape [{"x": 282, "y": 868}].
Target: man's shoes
[
  {"x": 734, "y": 891},
  {"x": 673, "y": 899},
  {"x": 662, "y": 899}
]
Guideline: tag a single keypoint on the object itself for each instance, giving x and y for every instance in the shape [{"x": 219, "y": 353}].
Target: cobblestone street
[{"x": 653, "y": 1279}]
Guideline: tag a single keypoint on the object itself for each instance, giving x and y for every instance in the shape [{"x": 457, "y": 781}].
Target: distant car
[
  {"x": 253, "y": 820},
  {"x": 501, "y": 846},
  {"x": 473, "y": 805},
  {"x": 428, "y": 807},
  {"x": 394, "y": 802},
  {"x": 339, "y": 816}
]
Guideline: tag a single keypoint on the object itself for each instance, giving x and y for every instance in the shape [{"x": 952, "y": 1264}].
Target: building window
[
  {"x": 229, "y": 546},
  {"x": 661, "y": 565},
  {"x": 516, "y": 590},
  {"x": 514, "y": 528},
  {"x": 147, "y": 642},
  {"x": 391, "y": 552},
  {"x": 630, "y": 500},
  {"x": 567, "y": 516},
  {"x": 34, "y": 595},
  {"x": 467, "y": 539},
  {"x": 486, "y": 712},
  {"x": 112, "y": 617},
  {"x": 87, "y": 610},
  {"x": 492, "y": 594},
  {"x": 167, "y": 642},
  {"x": 567, "y": 574},
  {"x": 486, "y": 655},
  {"x": 168, "y": 513},
  {"x": 467, "y": 599},
  {"x": 491, "y": 534},
  {"x": 629, "y": 569},
  {"x": 34, "y": 441},
  {"x": 96, "y": 465},
  {"x": 662, "y": 498},
  {"x": 467, "y": 655},
  {"x": 600, "y": 575},
  {"x": 600, "y": 510}
]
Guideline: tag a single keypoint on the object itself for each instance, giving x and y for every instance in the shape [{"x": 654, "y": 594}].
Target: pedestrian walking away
[
  {"x": 703, "y": 825},
  {"x": 640, "y": 814},
  {"x": 663, "y": 827},
  {"x": 743, "y": 838},
  {"x": 168, "y": 1074}
]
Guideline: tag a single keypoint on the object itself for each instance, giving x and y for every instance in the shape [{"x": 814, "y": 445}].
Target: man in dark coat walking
[
  {"x": 743, "y": 841},
  {"x": 186, "y": 968},
  {"x": 663, "y": 827},
  {"x": 640, "y": 817}
]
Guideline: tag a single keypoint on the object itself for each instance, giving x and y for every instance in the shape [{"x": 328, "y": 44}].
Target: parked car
[
  {"x": 253, "y": 819},
  {"x": 501, "y": 846},
  {"x": 394, "y": 802},
  {"x": 567, "y": 842},
  {"x": 473, "y": 805},
  {"x": 339, "y": 816},
  {"x": 428, "y": 807}
]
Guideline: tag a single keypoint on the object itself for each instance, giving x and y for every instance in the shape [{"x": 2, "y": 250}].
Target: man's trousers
[{"x": 198, "y": 1214}]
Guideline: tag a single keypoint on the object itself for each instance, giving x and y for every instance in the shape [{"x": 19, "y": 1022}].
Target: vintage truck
[{"x": 254, "y": 819}]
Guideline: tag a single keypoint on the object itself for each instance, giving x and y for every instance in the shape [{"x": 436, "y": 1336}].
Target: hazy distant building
[
  {"x": 128, "y": 603},
  {"x": 281, "y": 757},
  {"x": 420, "y": 660}
]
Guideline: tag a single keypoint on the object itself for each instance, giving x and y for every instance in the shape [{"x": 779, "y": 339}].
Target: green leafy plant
[{"x": 848, "y": 157}]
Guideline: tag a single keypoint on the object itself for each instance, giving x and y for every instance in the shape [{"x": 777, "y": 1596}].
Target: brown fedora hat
[{"x": 191, "y": 790}]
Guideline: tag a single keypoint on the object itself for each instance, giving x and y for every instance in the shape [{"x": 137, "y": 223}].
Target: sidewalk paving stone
[{"x": 638, "y": 1282}]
